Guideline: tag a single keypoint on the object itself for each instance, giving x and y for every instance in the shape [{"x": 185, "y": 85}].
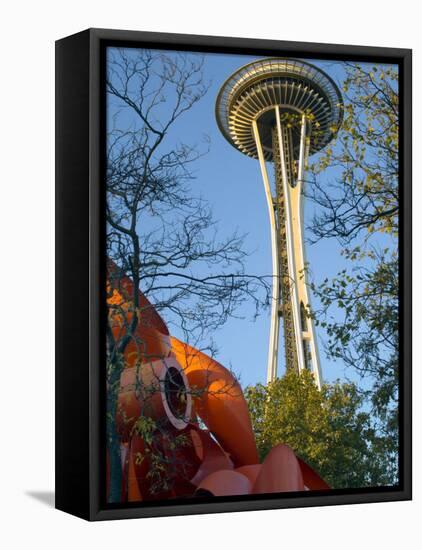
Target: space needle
[{"x": 282, "y": 111}]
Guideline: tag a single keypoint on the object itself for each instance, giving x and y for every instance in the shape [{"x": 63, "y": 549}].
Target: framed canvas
[{"x": 233, "y": 274}]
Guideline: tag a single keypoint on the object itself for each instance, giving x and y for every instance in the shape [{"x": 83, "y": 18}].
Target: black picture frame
[{"x": 80, "y": 197}]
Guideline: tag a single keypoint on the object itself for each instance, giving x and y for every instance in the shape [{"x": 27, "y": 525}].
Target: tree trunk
[{"x": 113, "y": 439}]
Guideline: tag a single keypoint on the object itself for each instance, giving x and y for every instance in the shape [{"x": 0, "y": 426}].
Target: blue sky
[{"x": 231, "y": 183}]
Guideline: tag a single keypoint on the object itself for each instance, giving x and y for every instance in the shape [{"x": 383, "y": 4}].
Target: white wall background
[{"x": 27, "y": 37}]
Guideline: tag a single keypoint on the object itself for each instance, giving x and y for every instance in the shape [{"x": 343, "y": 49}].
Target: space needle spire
[{"x": 282, "y": 111}]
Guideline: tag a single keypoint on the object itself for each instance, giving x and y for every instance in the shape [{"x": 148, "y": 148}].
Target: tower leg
[{"x": 275, "y": 295}]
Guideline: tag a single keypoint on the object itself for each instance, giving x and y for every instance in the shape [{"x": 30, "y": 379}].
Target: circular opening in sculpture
[{"x": 175, "y": 393}]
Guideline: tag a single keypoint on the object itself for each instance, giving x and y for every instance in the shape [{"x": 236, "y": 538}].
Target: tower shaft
[
  {"x": 286, "y": 306},
  {"x": 290, "y": 299}
]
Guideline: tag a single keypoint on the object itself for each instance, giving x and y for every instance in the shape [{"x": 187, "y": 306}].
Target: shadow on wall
[{"x": 45, "y": 497}]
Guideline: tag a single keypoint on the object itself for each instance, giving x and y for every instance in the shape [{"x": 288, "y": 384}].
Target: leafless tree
[{"x": 159, "y": 234}]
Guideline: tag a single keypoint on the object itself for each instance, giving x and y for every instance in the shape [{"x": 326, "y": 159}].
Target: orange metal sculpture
[{"x": 197, "y": 418}]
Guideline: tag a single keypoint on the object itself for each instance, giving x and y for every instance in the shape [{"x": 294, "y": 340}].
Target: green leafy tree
[
  {"x": 328, "y": 429},
  {"x": 358, "y": 205}
]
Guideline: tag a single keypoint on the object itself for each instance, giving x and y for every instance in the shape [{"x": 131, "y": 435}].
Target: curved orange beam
[
  {"x": 280, "y": 472},
  {"x": 219, "y": 402},
  {"x": 211, "y": 456},
  {"x": 311, "y": 479},
  {"x": 224, "y": 483},
  {"x": 151, "y": 340},
  {"x": 251, "y": 472}
]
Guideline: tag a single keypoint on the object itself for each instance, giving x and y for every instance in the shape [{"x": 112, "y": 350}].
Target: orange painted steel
[
  {"x": 219, "y": 403},
  {"x": 142, "y": 393},
  {"x": 311, "y": 479},
  {"x": 224, "y": 483},
  {"x": 251, "y": 472},
  {"x": 152, "y": 339},
  {"x": 280, "y": 472},
  {"x": 212, "y": 456},
  {"x": 135, "y": 476},
  {"x": 218, "y": 459}
]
